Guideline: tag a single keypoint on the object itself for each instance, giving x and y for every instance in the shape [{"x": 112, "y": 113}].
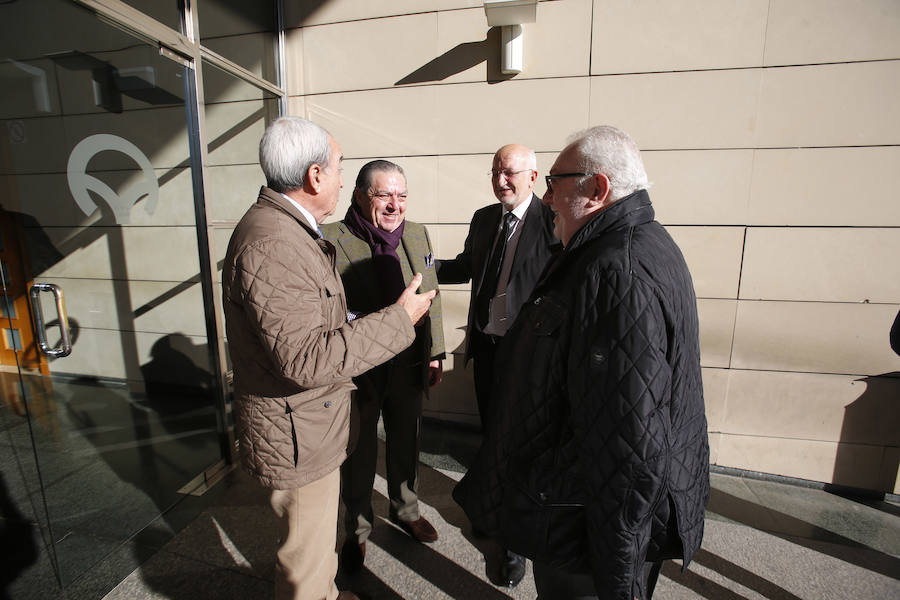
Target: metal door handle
[{"x": 65, "y": 345}]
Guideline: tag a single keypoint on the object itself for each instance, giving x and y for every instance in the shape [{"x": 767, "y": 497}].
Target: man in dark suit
[
  {"x": 507, "y": 248},
  {"x": 377, "y": 251}
]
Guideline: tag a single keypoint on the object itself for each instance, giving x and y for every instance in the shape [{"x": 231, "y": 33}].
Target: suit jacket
[
  {"x": 354, "y": 263},
  {"x": 536, "y": 246}
]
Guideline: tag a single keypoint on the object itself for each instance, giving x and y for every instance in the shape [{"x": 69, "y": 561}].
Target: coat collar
[
  {"x": 629, "y": 211},
  {"x": 269, "y": 196}
]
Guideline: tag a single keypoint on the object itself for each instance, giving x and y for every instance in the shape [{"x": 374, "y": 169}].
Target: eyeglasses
[
  {"x": 549, "y": 178},
  {"x": 508, "y": 173}
]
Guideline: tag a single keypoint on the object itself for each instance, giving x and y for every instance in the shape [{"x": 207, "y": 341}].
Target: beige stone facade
[{"x": 770, "y": 130}]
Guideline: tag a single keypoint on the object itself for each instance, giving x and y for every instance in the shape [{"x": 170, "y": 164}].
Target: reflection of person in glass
[
  {"x": 378, "y": 251},
  {"x": 294, "y": 351}
]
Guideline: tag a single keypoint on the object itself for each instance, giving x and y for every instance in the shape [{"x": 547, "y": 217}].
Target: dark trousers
[
  {"x": 553, "y": 584},
  {"x": 396, "y": 393},
  {"x": 484, "y": 352}
]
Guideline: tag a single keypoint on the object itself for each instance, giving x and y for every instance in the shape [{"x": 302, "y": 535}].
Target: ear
[
  {"x": 534, "y": 176},
  {"x": 602, "y": 189},
  {"x": 314, "y": 177}
]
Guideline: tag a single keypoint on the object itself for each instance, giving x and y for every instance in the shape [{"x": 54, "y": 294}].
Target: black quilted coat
[{"x": 599, "y": 428}]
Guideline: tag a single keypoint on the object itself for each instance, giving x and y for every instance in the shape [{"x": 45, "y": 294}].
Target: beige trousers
[{"x": 306, "y": 559}]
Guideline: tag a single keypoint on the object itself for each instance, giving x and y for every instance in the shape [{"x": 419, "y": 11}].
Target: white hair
[
  {"x": 288, "y": 148},
  {"x": 609, "y": 150}
]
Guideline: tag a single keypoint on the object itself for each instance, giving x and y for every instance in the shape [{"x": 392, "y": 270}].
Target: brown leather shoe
[
  {"x": 420, "y": 529},
  {"x": 345, "y": 595}
]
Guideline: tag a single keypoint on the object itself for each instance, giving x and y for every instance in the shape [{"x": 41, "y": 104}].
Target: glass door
[{"x": 102, "y": 430}]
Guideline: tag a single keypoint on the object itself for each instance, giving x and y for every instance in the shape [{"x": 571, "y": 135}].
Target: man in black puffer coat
[{"x": 595, "y": 463}]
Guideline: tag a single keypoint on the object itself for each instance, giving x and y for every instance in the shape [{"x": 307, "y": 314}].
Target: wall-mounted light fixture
[{"x": 510, "y": 14}]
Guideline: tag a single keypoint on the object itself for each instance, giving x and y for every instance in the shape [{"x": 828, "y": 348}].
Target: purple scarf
[{"x": 384, "y": 252}]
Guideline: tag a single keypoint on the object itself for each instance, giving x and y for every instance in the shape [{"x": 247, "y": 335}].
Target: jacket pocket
[
  {"x": 546, "y": 315},
  {"x": 290, "y": 416},
  {"x": 333, "y": 311},
  {"x": 545, "y": 529},
  {"x": 543, "y": 320}
]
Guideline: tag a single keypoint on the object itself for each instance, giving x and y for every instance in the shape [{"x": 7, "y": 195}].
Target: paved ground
[{"x": 763, "y": 540}]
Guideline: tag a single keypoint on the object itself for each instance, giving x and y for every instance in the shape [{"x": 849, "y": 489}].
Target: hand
[
  {"x": 416, "y": 305},
  {"x": 435, "y": 372}
]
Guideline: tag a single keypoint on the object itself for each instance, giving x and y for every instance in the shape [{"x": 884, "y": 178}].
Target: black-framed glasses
[
  {"x": 508, "y": 173},
  {"x": 549, "y": 178}
]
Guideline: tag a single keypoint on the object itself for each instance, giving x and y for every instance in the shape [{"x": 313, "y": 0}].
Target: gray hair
[
  {"x": 609, "y": 150},
  {"x": 364, "y": 177},
  {"x": 288, "y": 148}
]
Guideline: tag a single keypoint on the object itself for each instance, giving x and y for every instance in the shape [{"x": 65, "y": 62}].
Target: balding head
[{"x": 513, "y": 174}]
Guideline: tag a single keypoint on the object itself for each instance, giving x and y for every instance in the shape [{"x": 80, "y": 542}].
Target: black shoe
[
  {"x": 352, "y": 556},
  {"x": 512, "y": 568}
]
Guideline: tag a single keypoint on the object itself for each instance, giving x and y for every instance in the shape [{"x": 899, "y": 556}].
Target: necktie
[{"x": 492, "y": 272}]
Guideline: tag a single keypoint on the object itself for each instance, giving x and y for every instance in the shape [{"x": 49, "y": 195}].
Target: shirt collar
[
  {"x": 521, "y": 209},
  {"x": 306, "y": 214}
]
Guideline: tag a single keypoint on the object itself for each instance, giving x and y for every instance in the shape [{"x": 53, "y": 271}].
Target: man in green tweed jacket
[{"x": 378, "y": 252}]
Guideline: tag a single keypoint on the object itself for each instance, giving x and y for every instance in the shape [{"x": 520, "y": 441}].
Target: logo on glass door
[{"x": 80, "y": 183}]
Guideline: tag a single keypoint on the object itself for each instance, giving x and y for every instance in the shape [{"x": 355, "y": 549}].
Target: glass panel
[
  {"x": 241, "y": 31},
  {"x": 237, "y": 114},
  {"x": 97, "y": 165},
  {"x": 7, "y": 308},
  {"x": 168, "y": 13},
  {"x": 13, "y": 339}
]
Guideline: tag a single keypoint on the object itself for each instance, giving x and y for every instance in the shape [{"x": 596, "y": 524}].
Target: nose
[{"x": 548, "y": 197}]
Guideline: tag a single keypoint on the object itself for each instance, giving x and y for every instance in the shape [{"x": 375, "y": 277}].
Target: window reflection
[
  {"x": 243, "y": 32},
  {"x": 167, "y": 12}
]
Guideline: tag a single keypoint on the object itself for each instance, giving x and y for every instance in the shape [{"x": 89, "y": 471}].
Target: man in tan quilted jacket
[{"x": 294, "y": 351}]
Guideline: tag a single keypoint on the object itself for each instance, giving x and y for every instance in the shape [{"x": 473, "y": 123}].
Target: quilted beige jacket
[{"x": 292, "y": 350}]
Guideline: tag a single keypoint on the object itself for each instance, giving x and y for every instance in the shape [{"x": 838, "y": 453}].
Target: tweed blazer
[{"x": 354, "y": 263}]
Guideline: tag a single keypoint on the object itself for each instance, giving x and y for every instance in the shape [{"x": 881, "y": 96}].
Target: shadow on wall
[
  {"x": 173, "y": 372},
  {"x": 460, "y": 58},
  {"x": 873, "y": 418},
  {"x": 875, "y": 414},
  {"x": 302, "y": 11}
]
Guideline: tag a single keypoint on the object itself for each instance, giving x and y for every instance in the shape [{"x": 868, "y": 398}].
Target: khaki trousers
[{"x": 306, "y": 559}]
